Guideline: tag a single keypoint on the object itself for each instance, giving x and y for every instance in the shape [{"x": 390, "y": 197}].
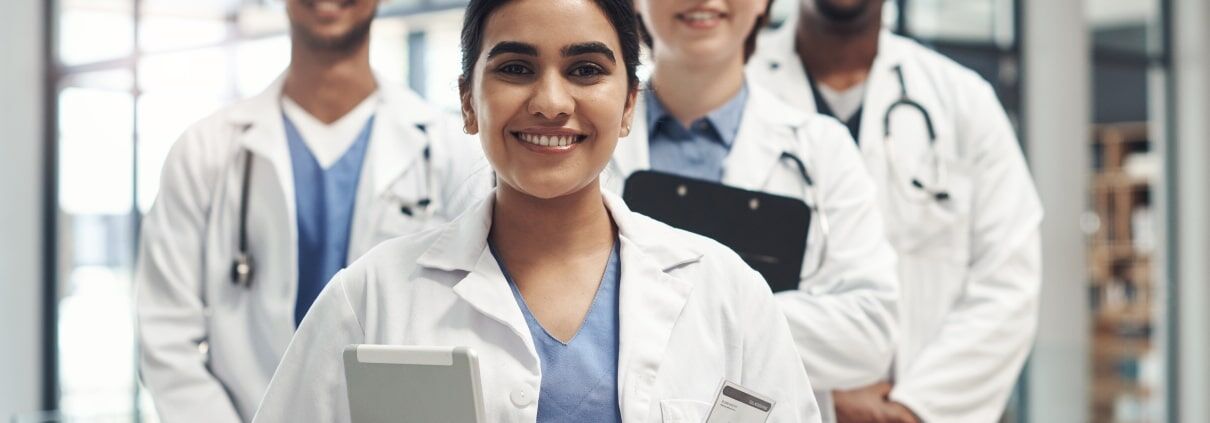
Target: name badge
[{"x": 736, "y": 404}]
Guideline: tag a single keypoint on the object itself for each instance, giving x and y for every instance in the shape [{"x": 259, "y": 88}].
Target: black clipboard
[{"x": 768, "y": 231}]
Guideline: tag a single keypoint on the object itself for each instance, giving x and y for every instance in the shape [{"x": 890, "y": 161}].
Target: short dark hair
[
  {"x": 619, "y": 12},
  {"x": 749, "y": 43}
]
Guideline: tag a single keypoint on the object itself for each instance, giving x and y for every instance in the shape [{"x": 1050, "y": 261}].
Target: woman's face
[
  {"x": 549, "y": 95},
  {"x": 700, "y": 31}
]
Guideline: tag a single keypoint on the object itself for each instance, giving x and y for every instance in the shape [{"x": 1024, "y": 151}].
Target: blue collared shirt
[{"x": 700, "y": 150}]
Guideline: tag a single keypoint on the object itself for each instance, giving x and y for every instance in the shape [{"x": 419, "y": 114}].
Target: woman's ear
[
  {"x": 470, "y": 121},
  {"x": 628, "y": 113}
]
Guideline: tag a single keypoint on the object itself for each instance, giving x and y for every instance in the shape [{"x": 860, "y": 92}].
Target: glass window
[
  {"x": 259, "y": 62},
  {"x": 95, "y": 30},
  {"x": 96, "y": 247},
  {"x": 1126, "y": 26},
  {"x": 983, "y": 21},
  {"x": 95, "y": 151}
]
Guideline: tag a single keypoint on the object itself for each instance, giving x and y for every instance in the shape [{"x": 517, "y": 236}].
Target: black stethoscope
[
  {"x": 242, "y": 268},
  {"x": 936, "y": 192},
  {"x": 815, "y": 207}
]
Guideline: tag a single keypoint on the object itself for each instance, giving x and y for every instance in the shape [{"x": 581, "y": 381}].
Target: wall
[{"x": 21, "y": 77}]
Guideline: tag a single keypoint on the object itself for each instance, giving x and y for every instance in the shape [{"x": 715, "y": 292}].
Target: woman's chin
[{"x": 551, "y": 188}]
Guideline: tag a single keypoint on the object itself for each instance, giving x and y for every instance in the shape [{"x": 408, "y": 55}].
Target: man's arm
[{"x": 168, "y": 288}]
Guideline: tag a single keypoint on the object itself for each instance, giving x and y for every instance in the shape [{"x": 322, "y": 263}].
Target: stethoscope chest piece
[{"x": 241, "y": 270}]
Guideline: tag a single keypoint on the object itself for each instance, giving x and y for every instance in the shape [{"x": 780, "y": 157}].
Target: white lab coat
[
  {"x": 692, "y": 313},
  {"x": 970, "y": 268},
  {"x": 208, "y": 348},
  {"x": 843, "y": 317}
]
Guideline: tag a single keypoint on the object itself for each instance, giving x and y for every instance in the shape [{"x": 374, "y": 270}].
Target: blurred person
[
  {"x": 578, "y": 309},
  {"x": 702, "y": 119},
  {"x": 961, "y": 208},
  {"x": 262, "y": 202}
]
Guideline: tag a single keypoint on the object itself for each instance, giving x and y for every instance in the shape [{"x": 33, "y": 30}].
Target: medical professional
[
  {"x": 702, "y": 119},
  {"x": 262, "y": 202},
  {"x": 579, "y": 310},
  {"x": 961, "y": 209}
]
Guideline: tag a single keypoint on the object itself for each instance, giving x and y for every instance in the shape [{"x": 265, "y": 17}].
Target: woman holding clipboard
[
  {"x": 699, "y": 118},
  {"x": 578, "y": 309}
]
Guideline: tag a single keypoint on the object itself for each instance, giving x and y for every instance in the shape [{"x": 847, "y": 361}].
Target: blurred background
[{"x": 1109, "y": 98}]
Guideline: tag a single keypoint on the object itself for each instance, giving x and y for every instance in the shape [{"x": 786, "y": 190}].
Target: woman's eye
[
  {"x": 514, "y": 69},
  {"x": 587, "y": 71}
]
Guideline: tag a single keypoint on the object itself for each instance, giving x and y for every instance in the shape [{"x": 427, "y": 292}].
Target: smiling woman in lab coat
[
  {"x": 579, "y": 309},
  {"x": 703, "y": 119}
]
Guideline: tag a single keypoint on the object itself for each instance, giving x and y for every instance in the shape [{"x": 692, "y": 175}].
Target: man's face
[
  {"x": 843, "y": 11},
  {"x": 331, "y": 24}
]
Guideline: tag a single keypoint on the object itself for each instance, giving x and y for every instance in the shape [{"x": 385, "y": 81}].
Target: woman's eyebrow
[
  {"x": 512, "y": 47},
  {"x": 594, "y": 47}
]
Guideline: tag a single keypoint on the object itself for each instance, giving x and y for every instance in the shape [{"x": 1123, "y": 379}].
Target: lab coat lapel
[
  {"x": 462, "y": 246},
  {"x": 260, "y": 130},
  {"x": 396, "y": 142},
  {"x": 650, "y": 305},
  {"x": 777, "y": 65},
  {"x": 764, "y": 133},
  {"x": 397, "y": 145},
  {"x": 259, "y": 126},
  {"x": 882, "y": 89}
]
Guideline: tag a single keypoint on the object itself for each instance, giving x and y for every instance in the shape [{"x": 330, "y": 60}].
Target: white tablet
[{"x": 391, "y": 383}]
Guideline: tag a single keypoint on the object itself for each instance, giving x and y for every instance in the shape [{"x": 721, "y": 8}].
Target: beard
[
  {"x": 346, "y": 41},
  {"x": 842, "y": 14}
]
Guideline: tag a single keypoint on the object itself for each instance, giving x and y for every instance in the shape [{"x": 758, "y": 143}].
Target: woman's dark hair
[
  {"x": 749, "y": 43},
  {"x": 619, "y": 12}
]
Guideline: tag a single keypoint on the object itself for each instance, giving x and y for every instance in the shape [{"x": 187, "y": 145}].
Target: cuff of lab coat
[
  {"x": 916, "y": 406},
  {"x": 827, "y": 408}
]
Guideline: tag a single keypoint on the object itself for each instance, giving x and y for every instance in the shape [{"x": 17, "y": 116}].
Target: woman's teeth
[
  {"x": 700, "y": 16},
  {"x": 549, "y": 140}
]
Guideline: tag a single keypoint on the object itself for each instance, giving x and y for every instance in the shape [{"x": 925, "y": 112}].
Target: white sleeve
[
  {"x": 844, "y": 317},
  {"x": 991, "y": 327},
  {"x": 170, "y": 312},
  {"x": 309, "y": 384}
]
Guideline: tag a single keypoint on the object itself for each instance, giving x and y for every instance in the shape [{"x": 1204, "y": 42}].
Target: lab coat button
[{"x": 522, "y": 397}]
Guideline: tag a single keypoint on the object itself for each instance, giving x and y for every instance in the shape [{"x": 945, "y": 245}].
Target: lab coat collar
[
  {"x": 650, "y": 303},
  {"x": 778, "y": 54},
  {"x": 765, "y": 120},
  {"x": 396, "y": 141},
  {"x": 461, "y": 244},
  {"x": 769, "y": 128}
]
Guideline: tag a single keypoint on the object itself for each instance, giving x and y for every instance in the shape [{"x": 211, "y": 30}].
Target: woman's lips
[{"x": 550, "y": 142}]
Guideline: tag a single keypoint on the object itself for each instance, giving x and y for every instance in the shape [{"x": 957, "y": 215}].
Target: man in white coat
[
  {"x": 960, "y": 206},
  {"x": 262, "y": 202}
]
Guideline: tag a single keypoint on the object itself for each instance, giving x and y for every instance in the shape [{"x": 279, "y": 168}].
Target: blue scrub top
[
  {"x": 700, "y": 150},
  {"x": 324, "y": 200},
  {"x": 579, "y": 378}
]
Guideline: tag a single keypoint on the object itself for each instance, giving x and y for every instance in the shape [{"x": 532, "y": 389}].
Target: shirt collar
[{"x": 725, "y": 120}]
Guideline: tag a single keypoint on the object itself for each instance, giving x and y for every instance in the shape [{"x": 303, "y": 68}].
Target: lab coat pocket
[
  {"x": 405, "y": 210},
  {"x": 932, "y": 228},
  {"x": 684, "y": 411}
]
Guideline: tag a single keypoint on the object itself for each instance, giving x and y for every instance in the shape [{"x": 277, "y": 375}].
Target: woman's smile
[{"x": 549, "y": 140}]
